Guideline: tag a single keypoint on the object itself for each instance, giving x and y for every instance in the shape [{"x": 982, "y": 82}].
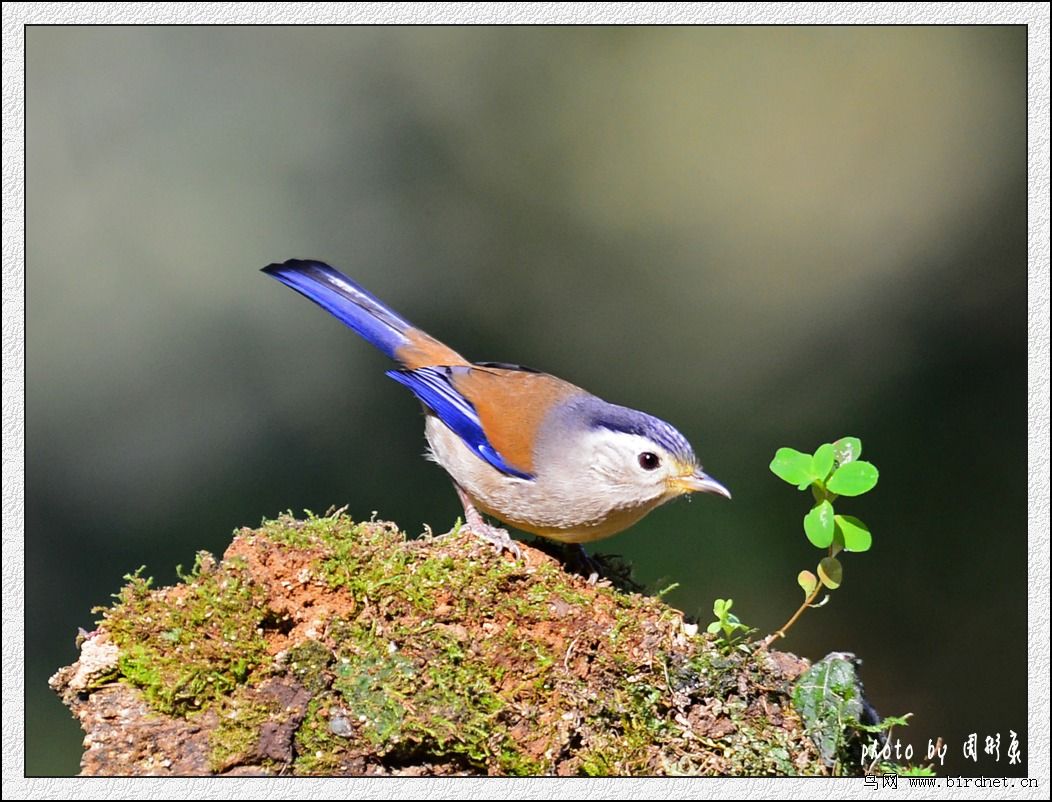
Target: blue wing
[{"x": 433, "y": 386}]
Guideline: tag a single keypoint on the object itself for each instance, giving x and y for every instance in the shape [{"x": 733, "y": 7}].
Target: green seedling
[
  {"x": 832, "y": 472},
  {"x": 726, "y": 626}
]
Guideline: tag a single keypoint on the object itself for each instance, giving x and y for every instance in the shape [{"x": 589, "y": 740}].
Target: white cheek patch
[{"x": 616, "y": 455}]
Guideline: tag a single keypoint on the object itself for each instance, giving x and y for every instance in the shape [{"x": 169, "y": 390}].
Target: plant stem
[{"x": 780, "y": 633}]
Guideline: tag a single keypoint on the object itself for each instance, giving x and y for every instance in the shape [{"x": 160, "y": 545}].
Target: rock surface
[{"x": 329, "y": 647}]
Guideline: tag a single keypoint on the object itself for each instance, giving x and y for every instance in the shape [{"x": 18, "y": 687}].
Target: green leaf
[
  {"x": 719, "y": 608},
  {"x": 853, "y": 479},
  {"x": 822, "y": 462},
  {"x": 828, "y": 695},
  {"x": 830, "y": 572},
  {"x": 807, "y": 581},
  {"x": 818, "y": 525},
  {"x": 848, "y": 449},
  {"x": 854, "y": 533},
  {"x": 838, "y": 540},
  {"x": 792, "y": 466},
  {"x": 713, "y": 628}
]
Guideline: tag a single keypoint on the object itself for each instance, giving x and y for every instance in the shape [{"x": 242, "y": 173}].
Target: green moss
[
  {"x": 759, "y": 749},
  {"x": 188, "y": 645},
  {"x": 318, "y": 750},
  {"x": 236, "y": 736},
  {"x": 627, "y": 728},
  {"x": 439, "y": 653},
  {"x": 427, "y": 693},
  {"x": 361, "y": 557},
  {"x": 308, "y": 663}
]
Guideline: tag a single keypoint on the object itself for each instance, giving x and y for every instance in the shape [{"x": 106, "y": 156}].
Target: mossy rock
[{"x": 326, "y": 646}]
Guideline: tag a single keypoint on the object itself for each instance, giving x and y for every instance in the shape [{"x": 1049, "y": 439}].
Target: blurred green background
[{"x": 768, "y": 236}]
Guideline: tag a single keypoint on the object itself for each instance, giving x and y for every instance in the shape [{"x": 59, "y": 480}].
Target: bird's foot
[
  {"x": 476, "y": 524},
  {"x": 495, "y": 536},
  {"x": 588, "y": 567}
]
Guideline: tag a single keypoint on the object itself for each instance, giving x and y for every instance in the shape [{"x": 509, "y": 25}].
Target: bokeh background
[{"x": 769, "y": 236}]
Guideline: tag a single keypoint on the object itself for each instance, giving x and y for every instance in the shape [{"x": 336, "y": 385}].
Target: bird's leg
[
  {"x": 476, "y": 524},
  {"x": 592, "y": 568}
]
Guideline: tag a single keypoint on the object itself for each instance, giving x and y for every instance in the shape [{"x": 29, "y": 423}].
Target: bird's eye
[{"x": 649, "y": 461}]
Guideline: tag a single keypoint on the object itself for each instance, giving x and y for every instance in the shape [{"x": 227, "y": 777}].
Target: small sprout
[
  {"x": 666, "y": 590},
  {"x": 726, "y": 622},
  {"x": 834, "y": 470}
]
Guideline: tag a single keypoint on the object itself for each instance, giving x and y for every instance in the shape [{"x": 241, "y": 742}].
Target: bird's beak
[{"x": 698, "y": 482}]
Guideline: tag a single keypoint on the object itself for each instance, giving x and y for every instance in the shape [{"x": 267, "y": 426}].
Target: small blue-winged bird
[{"x": 522, "y": 446}]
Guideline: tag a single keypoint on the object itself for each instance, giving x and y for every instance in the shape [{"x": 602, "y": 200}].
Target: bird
[{"x": 536, "y": 452}]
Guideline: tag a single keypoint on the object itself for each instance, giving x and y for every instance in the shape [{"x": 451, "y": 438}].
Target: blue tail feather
[
  {"x": 346, "y": 301},
  {"x": 380, "y": 325}
]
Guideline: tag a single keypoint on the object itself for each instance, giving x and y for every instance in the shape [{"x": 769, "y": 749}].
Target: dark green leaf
[
  {"x": 838, "y": 539},
  {"x": 853, "y": 479},
  {"x": 828, "y": 695},
  {"x": 854, "y": 533},
  {"x": 818, "y": 525},
  {"x": 792, "y": 466},
  {"x": 830, "y": 572}
]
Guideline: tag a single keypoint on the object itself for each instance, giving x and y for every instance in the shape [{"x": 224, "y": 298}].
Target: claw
[
  {"x": 590, "y": 567},
  {"x": 494, "y": 535}
]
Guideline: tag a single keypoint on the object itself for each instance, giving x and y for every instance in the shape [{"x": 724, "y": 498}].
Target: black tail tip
[{"x": 290, "y": 265}]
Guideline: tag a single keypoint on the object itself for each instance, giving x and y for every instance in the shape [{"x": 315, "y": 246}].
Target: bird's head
[{"x": 634, "y": 459}]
